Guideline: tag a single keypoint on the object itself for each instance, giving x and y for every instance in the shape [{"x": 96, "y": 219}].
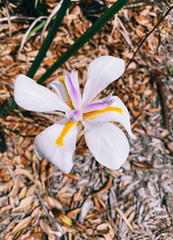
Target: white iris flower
[{"x": 57, "y": 143}]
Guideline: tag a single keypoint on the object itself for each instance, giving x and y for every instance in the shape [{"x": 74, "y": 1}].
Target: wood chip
[
  {"x": 106, "y": 187},
  {"x": 120, "y": 212},
  {"x": 143, "y": 165},
  {"x": 24, "y": 205},
  {"x": 22, "y": 224}
]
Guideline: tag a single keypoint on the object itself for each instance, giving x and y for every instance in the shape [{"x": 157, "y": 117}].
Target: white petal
[
  {"x": 46, "y": 147},
  {"x": 59, "y": 87},
  {"x": 34, "y": 97},
  {"x": 122, "y": 116},
  {"x": 107, "y": 143},
  {"x": 98, "y": 105},
  {"x": 72, "y": 85},
  {"x": 101, "y": 72}
]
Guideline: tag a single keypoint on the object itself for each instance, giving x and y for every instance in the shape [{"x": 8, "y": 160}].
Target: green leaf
[
  {"x": 109, "y": 13},
  {"x": 47, "y": 42}
]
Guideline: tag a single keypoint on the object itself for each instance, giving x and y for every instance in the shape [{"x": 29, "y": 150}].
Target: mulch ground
[{"x": 37, "y": 201}]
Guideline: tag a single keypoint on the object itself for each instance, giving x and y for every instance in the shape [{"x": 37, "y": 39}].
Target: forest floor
[{"x": 37, "y": 201}]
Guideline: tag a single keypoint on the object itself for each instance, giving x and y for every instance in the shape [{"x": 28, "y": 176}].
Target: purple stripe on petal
[
  {"x": 75, "y": 116},
  {"x": 98, "y": 105},
  {"x": 73, "y": 92}
]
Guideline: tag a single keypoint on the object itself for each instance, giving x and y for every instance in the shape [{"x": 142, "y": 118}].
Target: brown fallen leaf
[
  {"x": 22, "y": 224},
  {"x": 36, "y": 235},
  {"x": 52, "y": 202},
  {"x": 64, "y": 200},
  {"x": 106, "y": 187},
  {"x": 120, "y": 212},
  {"x": 15, "y": 188},
  {"x": 73, "y": 176},
  {"x": 96, "y": 200},
  {"x": 142, "y": 165},
  {"x": 46, "y": 228},
  {"x": 73, "y": 212},
  {"x": 79, "y": 225},
  {"x": 170, "y": 146},
  {"x": 24, "y": 204},
  {"x": 22, "y": 193}
]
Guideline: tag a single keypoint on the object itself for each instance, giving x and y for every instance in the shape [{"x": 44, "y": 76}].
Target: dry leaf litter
[{"x": 37, "y": 201}]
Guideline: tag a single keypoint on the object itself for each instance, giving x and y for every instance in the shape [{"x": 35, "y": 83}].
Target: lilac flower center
[
  {"x": 75, "y": 116},
  {"x": 96, "y": 106}
]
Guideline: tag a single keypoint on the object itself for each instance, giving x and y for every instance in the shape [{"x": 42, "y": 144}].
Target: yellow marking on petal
[
  {"x": 62, "y": 79},
  {"x": 90, "y": 115},
  {"x": 69, "y": 103},
  {"x": 68, "y": 126},
  {"x": 78, "y": 124}
]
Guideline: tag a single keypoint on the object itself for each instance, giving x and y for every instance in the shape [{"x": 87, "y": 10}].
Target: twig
[
  {"x": 140, "y": 43},
  {"x": 161, "y": 91}
]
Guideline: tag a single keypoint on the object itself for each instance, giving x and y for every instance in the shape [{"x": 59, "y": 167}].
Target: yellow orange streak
[
  {"x": 69, "y": 103},
  {"x": 90, "y": 115},
  {"x": 78, "y": 124},
  {"x": 68, "y": 126},
  {"x": 62, "y": 79}
]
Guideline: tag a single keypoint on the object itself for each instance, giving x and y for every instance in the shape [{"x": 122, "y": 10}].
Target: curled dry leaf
[
  {"x": 73, "y": 212},
  {"x": 73, "y": 176},
  {"x": 165, "y": 133},
  {"x": 170, "y": 146},
  {"x": 79, "y": 195},
  {"x": 96, "y": 200},
  {"x": 47, "y": 229},
  {"x": 25, "y": 172},
  {"x": 143, "y": 165},
  {"x": 82, "y": 227},
  {"x": 35, "y": 235},
  {"x": 103, "y": 228},
  {"x": 106, "y": 187},
  {"x": 22, "y": 193},
  {"x": 15, "y": 188},
  {"x": 43, "y": 174},
  {"x": 52, "y": 202},
  {"x": 64, "y": 200},
  {"x": 12, "y": 201},
  {"x": 31, "y": 190},
  {"x": 36, "y": 212},
  {"x": 62, "y": 190},
  {"x": 22, "y": 224},
  {"x": 24, "y": 205}
]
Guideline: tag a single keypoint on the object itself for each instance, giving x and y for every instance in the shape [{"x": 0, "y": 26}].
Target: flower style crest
[{"x": 57, "y": 143}]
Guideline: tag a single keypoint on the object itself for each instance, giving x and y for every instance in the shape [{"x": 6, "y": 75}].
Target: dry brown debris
[{"x": 37, "y": 201}]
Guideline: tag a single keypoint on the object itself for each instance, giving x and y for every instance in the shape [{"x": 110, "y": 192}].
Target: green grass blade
[
  {"x": 109, "y": 13},
  {"x": 47, "y": 42}
]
